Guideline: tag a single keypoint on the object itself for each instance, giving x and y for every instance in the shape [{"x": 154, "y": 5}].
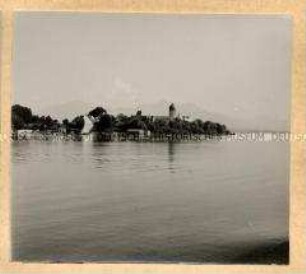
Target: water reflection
[
  {"x": 99, "y": 152},
  {"x": 171, "y": 151}
]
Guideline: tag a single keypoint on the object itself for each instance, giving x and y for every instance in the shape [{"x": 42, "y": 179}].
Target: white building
[{"x": 87, "y": 126}]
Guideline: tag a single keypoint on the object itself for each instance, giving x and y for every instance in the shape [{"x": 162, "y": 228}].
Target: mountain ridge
[{"x": 235, "y": 121}]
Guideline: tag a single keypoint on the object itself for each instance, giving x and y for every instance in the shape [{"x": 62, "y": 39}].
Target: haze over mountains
[{"x": 238, "y": 120}]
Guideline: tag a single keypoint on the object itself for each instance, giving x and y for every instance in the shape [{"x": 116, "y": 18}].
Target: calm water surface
[{"x": 194, "y": 202}]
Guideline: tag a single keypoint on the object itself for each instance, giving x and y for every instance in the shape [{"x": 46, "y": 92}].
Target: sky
[{"x": 231, "y": 66}]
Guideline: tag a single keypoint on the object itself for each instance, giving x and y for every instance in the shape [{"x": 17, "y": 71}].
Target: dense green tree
[
  {"x": 17, "y": 122},
  {"x": 22, "y": 118},
  {"x": 77, "y": 124},
  {"x": 121, "y": 122},
  {"x": 96, "y": 112},
  {"x": 104, "y": 123},
  {"x": 24, "y": 113},
  {"x": 65, "y": 122}
]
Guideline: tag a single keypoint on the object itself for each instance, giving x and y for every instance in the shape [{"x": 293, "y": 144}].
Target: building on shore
[
  {"x": 88, "y": 125},
  {"x": 134, "y": 133},
  {"x": 22, "y": 134},
  {"x": 172, "y": 115}
]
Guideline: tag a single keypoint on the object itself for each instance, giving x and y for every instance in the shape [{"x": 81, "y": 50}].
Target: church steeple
[{"x": 172, "y": 111}]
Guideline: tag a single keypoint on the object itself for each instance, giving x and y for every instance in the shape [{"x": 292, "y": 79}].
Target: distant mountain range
[
  {"x": 235, "y": 121},
  {"x": 68, "y": 110}
]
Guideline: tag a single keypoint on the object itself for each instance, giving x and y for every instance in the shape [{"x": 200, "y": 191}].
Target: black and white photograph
[{"x": 150, "y": 138}]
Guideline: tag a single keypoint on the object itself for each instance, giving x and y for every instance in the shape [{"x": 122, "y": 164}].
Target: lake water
[{"x": 206, "y": 201}]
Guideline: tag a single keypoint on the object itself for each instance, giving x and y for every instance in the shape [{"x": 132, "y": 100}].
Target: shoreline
[{"x": 114, "y": 137}]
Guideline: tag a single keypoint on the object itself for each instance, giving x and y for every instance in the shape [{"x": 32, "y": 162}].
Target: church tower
[{"x": 172, "y": 111}]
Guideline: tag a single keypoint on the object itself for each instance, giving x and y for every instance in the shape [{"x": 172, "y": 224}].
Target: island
[{"x": 107, "y": 126}]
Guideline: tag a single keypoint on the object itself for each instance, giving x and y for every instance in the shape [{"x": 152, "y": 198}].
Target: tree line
[{"x": 23, "y": 118}]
